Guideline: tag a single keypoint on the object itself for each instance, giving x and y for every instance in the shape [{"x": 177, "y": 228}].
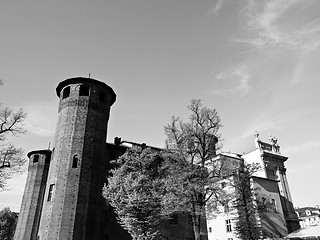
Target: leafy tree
[
  {"x": 191, "y": 182},
  {"x": 11, "y": 157},
  {"x": 7, "y": 223},
  {"x": 134, "y": 191},
  {"x": 247, "y": 225}
]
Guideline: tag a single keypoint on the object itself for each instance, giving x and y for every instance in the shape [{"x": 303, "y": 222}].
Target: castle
[
  {"x": 62, "y": 198},
  {"x": 63, "y": 194}
]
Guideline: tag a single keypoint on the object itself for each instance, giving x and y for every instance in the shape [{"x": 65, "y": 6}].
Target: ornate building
[{"x": 275, "y": 213}]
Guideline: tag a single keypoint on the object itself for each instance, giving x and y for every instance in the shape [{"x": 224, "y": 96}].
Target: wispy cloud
[
  {"x": 286, "y": 23},
  {"x": 259, "y": 126},
  {"x": 303, "y": 147},
  {"x": 217, "y": 7},
  {"x": 232, "y": 83}
]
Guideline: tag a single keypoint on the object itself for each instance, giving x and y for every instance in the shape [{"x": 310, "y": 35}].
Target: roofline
[
  {"x": 239, "y": 156},
  {"x": 43, "y": 151},
  {"x": 284, "y": 158},
  {"x": 75, "y": 80},
  {"x": 268, "y": 179}
]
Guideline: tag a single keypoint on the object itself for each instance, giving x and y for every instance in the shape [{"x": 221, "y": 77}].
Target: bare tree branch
[{"x": 11, "y": 157}]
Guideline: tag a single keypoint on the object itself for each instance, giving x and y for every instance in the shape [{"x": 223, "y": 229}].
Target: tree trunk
[{"x": 196, "y": 227}]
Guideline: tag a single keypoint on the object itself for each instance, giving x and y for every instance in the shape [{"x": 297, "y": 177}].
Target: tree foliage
[
  {"x": 11, "y": 157},
  {"x": 192, "y": 176},
  {"x": 134, "y": 191},
  {"x": 247, "y": 224},
  {"x": 7, "y": 223}
]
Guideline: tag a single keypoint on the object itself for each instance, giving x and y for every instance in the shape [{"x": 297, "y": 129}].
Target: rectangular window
[
  {"x": 66, "y": 92},
  {"x": 35, "y": 158},
  {"x": 50, "y": 193},
  {"x": 226, "y": 206},
  {"x": 84, "y": 90},
  {"x": 210, "y": 229},
  {"x": 228, "y": 225},
  {"x": 173, "y": 219}
]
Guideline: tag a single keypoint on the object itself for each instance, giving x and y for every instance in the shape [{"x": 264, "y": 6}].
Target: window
[
  {"x": 84, "y": 90},
  {"x": 75, "y": 161},
  {"x": 51, "y": 190},
  {"x": 35, "y": 158},
  {"x": 228, "y": 225},
  {"x": 210, "y": 229},
  {"x": 173, "y": 219},
  {"x": 274, "y": 205},
  {"x": 226, "y": 206},
  {"x": 47, "y": 160},
  {"x": 102, "y": 96},
  {"x": 66, "y": 92}
]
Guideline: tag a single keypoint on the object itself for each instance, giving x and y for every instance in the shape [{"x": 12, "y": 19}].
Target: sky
[{"x": 256, "y": 62}]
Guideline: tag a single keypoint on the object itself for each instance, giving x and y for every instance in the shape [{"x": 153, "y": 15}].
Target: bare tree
[
  {"x": 11, "y": 157},
  {"x": 192, "y": 176}
]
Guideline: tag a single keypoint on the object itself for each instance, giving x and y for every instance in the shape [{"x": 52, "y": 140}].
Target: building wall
[
  {"x": 254, "y": 157},
  {"x": 270, "y": 211},
  {"x": 217, "y": 227}
]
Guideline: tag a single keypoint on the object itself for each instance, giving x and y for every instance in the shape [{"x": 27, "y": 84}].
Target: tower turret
[
  {"x": 73, "y": 204},
  {"x": 29, "y": 216}
]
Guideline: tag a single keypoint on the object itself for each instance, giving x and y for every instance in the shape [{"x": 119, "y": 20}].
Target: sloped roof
[
  {"x": 302, "y": 211},
  {"x": 311, "y": 232}
]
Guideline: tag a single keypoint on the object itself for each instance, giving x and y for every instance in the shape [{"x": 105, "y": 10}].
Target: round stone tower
[
  {"x": 29, "y": 216},
  {"x": 73, "y": 206}
]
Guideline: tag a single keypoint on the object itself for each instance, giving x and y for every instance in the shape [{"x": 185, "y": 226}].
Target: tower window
[
  {"x": 66, "y": 92},
  {"x": 35, "y": 158},
  {"x": 47, "y": 160},
  {"x": 102, "y": 97},
  {"x": 84, "y": 90},
  {"x": 50, "y": 193},
  {"x": 75, "y": 160}
]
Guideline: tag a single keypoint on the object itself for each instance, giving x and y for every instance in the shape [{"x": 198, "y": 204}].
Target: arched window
[
  {"x": 84, "y": 90},
  {"x": 75, "y": 161},
  {"x": 66, "y": 92}
]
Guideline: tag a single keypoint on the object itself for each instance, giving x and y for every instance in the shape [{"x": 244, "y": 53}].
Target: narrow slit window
[
  {"x": 84, "y": 90},
  {"x": 75, "y": 160},
  {"x": 35, "y": 158},
  {"x": 66, "y": 92},
  {"x": 50, "y": 193}
]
